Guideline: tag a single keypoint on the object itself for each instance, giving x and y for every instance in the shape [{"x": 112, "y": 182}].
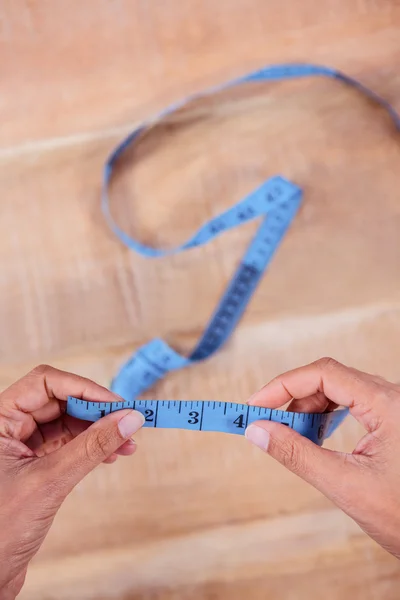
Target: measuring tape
[
  {"x": 197, "y": 415},
  {"x": 276, "y": 201}
]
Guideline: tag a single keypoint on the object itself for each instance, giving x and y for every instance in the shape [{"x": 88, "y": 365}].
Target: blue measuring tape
[
  {"x": 277, "y": 202},
  {"x": 198, "y": 415}
]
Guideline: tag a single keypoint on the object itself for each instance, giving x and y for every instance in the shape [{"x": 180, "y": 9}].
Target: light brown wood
[{"x": 198, "y": 516}]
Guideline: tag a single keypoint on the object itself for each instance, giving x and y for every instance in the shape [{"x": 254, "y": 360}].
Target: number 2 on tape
[
  {"x": 275, "y": 202},
  {"x": 197, "y": 415}
]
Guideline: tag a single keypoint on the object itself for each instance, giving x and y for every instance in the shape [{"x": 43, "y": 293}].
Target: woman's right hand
[
  {"x": 364, "y": 484},
  {"x": 44, "y": 453}
]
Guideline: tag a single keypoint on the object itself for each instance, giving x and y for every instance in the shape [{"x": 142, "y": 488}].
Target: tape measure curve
[{"x": 277, "y": 201}]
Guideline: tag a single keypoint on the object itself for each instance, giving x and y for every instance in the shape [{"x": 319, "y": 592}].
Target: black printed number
[
  {"x": 149, "y": 415},
  {"x": 194, "y": 417},
  {"x": 239, "y": 421}
]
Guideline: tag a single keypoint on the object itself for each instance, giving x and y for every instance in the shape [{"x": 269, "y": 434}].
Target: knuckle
[
  {"x": 327, "y": 363},
  {"x": 97, "y": 445},
  {"x": 292, "y": 457},
  {"x": 375, "y": 422},
  {"x": 40, "y": 370},
  {"x": 376, "y": 406}
]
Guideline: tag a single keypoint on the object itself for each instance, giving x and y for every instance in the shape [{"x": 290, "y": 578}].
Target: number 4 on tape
[
  {"x": 197, "y": 415},
  {"x": 275, "y": 202}
]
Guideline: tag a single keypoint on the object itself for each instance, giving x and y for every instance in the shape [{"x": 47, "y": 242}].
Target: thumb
[
  {"x": 75, "y": 460},
  {"x": 326, "y": 470}
]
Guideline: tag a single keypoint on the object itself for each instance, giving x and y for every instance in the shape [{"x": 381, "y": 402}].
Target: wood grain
[{"x": 198, "y": 516}]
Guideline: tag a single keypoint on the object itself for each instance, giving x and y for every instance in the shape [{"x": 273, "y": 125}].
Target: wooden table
[{"x": 198, "y": 516}]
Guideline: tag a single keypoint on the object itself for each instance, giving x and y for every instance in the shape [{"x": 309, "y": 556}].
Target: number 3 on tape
[
  {"x": 197, "y": 415},
  {"x": 275, "y": 203}
]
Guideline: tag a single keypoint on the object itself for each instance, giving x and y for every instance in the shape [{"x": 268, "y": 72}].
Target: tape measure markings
[
  {"x": 153, "y": 360},
  {"x": 276, "y": 201},
  {"x": 207, "y": 415}
]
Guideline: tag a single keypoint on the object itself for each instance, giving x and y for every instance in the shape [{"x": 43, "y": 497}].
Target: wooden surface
[{"x": 198, "y": 516}]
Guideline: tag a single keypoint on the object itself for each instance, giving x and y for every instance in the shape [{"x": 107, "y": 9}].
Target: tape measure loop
[{"x": 276, "y": 202}]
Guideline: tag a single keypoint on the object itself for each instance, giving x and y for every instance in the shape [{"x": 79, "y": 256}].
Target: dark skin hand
[
  {"x": 364, "y": 484},
  {"x": 44, "y": 453}
]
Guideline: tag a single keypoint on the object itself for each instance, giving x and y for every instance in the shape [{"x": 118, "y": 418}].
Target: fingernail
[
  {"x": 129, "y": 424},
  {"x": 250, "y": 400},
  {"x": 258, "y": 436},
  {"x": 253, "y": 396}
]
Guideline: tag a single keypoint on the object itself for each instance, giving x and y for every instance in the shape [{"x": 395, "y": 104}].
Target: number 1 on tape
[{"x": 197, "y": 415}]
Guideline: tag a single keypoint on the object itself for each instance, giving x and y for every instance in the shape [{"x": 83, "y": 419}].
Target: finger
[
  {"x": 48, "y": 437},
  {"x": 61, "y": 430},
  {"x": 50, "y": 411},
  {"x": 72, "y": 462},
  {"x": 35, "y": 399},
  {"x": 35, "y": 441},
  {"x": 316, "y": 403},
  {"x": 70, "y": 427},
  {"x": 367, "y": 400},
  {"x": 45, "y": 383},
  {"x": 111, "y": 459},
  {"x": 327, "y": 471},
  {"x": 12, "y": 451},
  {"x": 127, "y": 448}
]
